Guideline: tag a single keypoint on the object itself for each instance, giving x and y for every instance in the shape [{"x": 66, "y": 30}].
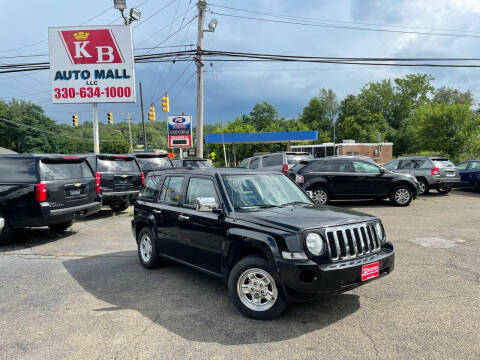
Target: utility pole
[
  {"x": 201, "y": 6},
  {"x": 143, "y": 118},
  {"x": 96, "y": 140},
  {"x": 130, "y": 132}
]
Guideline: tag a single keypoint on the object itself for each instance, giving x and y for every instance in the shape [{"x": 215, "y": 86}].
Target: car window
[
  {"x": 406, "y": 164},
  {"x": 475, "y": 165},
  {"x": 17, "y": 170},
  {"x": 443, "y": 163},
  {"x": 254, "y": 163},
  {"x": 151, "y": 185},
  {"x": 200, "y": 188},
  {"x": 340, "y": 166},
  {"x": 196, "y": 163},
  {"x": 391, "y": 165},
  {"x": 318, "y": 166},
  {"x": 296, "y": 158},
  {"x": 463, "y": 166},
  {"x": 64, "y": 170},
  {"x": 153, "y": 162},
  {"x": 365, "y": 168},
  {"x": 172, "y": 189},
  {"x": 272, "y": 160},
  {"x": 117, "y": 164},
  {"x": 418, "y": 163},
  {"x": 243, "y": 163}
]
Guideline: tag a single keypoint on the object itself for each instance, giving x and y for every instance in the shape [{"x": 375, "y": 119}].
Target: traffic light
[
  {"x": 110, "y": 117},
  {"x": 151, "y": 112},
  {"x": 75, "y": 119},
  {"x": 165, "y": 104}
]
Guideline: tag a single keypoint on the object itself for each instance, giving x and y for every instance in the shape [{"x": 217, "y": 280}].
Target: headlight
[
  {"x": 380, "y": 233},
  {"x": 315, "y": 244}
]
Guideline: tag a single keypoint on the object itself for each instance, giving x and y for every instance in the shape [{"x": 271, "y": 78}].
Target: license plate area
[
  {"x": 74, "y": 192},
  {"x": 370, "y": 271}
]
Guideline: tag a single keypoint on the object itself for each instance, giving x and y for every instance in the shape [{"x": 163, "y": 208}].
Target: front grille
[{"x": 347, "y": 242}]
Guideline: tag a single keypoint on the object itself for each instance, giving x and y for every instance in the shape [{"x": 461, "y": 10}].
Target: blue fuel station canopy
[{"x": 261, "y": 137}]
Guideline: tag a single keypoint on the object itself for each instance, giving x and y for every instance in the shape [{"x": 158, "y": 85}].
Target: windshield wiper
[
  {"x": 262, "y": 206},
  {"x": 296, "y": 203}
]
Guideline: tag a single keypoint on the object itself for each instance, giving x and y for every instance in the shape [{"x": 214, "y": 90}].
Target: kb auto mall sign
[{"x": 91, "y": 64}]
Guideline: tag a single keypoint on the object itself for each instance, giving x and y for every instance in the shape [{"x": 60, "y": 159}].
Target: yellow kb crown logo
[{"x": 81, "y": 35}]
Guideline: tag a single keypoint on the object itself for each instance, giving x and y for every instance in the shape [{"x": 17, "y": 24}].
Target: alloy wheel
[
  {"x": 402, "y": 196},
  {"x": 422, "y": 187},
  {"x": 146, "y": 248},
  {"x": 320, "y": 197},
  {"x": 257, "y": 290}
]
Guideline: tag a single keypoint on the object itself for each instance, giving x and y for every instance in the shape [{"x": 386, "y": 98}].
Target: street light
[
  {"x": 134, "y": 13},
  {"x": 120, "y": 4},
  {"x": 212, "y": 25}
]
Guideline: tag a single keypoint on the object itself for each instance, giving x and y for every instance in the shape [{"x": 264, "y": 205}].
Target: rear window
[
  {"x": 272, "y": 160},
  {"x": 295, "y": 158},
  {"x": 117, "y": 164},
  {"x": 442, "y": 163},
  {"x": 65, "y": 170},
  {"x": 196, "y": 163},
  {"x": 17, "y": 170},
  {"x": 153, "y": 162}
]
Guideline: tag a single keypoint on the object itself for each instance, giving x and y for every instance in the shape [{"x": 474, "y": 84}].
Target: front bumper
[{"x": 305, "y": 280}]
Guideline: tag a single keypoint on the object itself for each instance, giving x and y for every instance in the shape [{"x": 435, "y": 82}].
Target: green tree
[
  {"x": 320, "y": 113},
  {"x": 451, "y": 96}
]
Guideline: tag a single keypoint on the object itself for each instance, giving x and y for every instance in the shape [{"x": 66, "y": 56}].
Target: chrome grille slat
[{"x": 351, "y": 241}]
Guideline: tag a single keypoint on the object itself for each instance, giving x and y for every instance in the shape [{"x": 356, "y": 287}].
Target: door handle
[
  {"x": 183, "y": 217},
  {"x": 158, "y": 212}
]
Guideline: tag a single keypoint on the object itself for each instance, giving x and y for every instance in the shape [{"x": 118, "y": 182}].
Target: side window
[
  {"x": 418, "y": 163},
  {"x": 340, "y": 166},
  {"x": 405, "y": 164},
  {"x": 243, "y": 163},
  {"x": 151, "y": 185},
  {"x": 273, "y": 160},
  {"x": 391, "y": 165},
  {"x": 17, "y": 170},
  {"x": 463, "y": 166},
  {"x": 318, "y": 166},
  {"x": 254, "y": 163},
  {"x": 362, "y": 167},
  {"x": 172, "y": 189},
  {"x": 200, "y": 188},
  {"x": 475, "y": 165}
]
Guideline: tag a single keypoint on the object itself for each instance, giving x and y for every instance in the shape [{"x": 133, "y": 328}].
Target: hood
[{"x": 300, "y": 217}]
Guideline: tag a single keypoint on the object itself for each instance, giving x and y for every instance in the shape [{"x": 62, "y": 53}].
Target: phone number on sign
[{"x": 92, "y": 92}]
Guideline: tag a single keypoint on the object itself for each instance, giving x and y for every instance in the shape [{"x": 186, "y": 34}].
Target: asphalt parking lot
[{"x": 85, "y": 295}]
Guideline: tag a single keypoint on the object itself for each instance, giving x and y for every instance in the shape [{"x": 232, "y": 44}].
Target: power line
[
  {"x": 337, "y": 21},
  {"x": 155, "y": 13},
  {"x": 343, "y": 27}
]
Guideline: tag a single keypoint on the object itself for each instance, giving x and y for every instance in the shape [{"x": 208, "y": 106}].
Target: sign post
[
  {"x": 180, "y": 131},
  {"x": 91, "y": 65}
]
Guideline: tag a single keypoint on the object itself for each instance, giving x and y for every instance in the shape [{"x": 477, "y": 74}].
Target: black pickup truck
[
  {"x": 45, "y": 190},
  {"x": 258, "y": 232},
  {"x": 120, "y": 178}
]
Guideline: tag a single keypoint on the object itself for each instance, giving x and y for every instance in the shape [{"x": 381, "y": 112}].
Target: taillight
[
  {"x": 97, "y": 182},
  {"x": 143, "y": 178},
  {"x": 285, "y": 168},
  {"x": 41, "y": 192},
  {"x": 435, "y": 171}
]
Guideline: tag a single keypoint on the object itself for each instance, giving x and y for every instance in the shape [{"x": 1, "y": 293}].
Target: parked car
[
  {"x": 120, "y": 179},
  {"x": 149, "y": 161},
  {"x": 193, "y": 163},
  {"x": 431, "y": 172},
  {"x": 352, "y": 178},
  {"x": 45, "y": 190},
  {"x": 259, "y": 233},
  {"x": 281, "y": 161},
  {"x": 470, "y": 174}
]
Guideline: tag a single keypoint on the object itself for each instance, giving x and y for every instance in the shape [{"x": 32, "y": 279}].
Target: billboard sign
[
  {"x": 180, "y": 131},
  {"x": 91, "y": 64}
]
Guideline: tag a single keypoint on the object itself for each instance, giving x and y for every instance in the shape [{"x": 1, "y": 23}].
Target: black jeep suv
[
  {"x": 259, "y": 233},
  {"x": 120, "y": 178},
  {"x": 45, "y": 190},
  {"x": 149, "y": 161},
  {"x": 353, "y": 178}
]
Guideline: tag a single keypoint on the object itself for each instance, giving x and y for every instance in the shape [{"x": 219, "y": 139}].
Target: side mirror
[
  {"x": 206, "y": 204},
  {"x": 382, "y": 171}
]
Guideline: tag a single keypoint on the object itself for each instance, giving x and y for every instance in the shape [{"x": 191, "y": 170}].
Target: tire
[
  {"x": 120, "y": 207},
  {"x": 320, "y": 196},
  {"x": 7, "y": 234},
  {"x": 60, "y": 227},
  {"x": 444, "y": 191},
  {"x": 255, "y": 271},
  {"x": 147, "y": 249},
  {"x": 424, "y": 187},
  {"x": 401, "y": 196}
]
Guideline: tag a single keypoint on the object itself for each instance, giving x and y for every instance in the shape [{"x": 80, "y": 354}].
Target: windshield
[
  {"x": 296, "y": 158},
  {"x": 196, "y": 163},
  {"x": 117, "y": 164},
  {"x": 443, "y": 163},
  {"x": 252, "y": 191},
  {"x": 153, "y": 162}
]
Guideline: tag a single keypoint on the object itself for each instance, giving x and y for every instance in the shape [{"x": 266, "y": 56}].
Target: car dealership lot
[{"x": 84, "y": 294}]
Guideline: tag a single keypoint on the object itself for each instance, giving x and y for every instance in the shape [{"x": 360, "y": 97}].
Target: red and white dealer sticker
[{"x": 370, "y": 271}]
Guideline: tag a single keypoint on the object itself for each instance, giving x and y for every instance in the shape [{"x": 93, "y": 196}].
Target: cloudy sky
[{"x": 232, "y": 88}]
